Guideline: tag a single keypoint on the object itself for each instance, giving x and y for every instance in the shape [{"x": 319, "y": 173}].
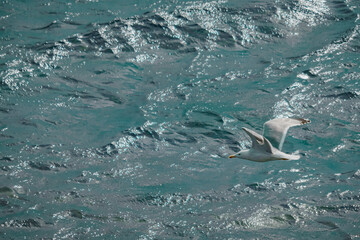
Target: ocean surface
[{"x": 117, "y": 119}]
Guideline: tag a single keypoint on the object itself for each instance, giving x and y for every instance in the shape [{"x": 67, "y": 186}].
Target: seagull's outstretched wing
[
  {"x": 275, "y": 130},
  {"x": 258, "y": 141}
]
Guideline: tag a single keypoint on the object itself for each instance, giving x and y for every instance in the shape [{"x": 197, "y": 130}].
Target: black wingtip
[{"x": 303, "y": 120}]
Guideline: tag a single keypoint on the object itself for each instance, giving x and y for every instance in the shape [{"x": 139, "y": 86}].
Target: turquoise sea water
[{"x": 117, "y": 119}]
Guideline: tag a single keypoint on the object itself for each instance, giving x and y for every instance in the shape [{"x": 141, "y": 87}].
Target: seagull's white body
[
  {"x": 267, "y": 147},
  {"x": 259, "y": 156}
]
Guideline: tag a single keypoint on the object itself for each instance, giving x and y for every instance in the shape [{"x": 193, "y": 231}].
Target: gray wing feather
[
  {"x": 259, "y": 142},
  {"x": 275, "y": 130}
]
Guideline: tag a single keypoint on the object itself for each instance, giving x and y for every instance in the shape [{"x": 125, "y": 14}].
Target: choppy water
[{"x": 117, "y": 118}]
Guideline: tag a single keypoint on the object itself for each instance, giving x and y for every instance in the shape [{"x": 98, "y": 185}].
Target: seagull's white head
[{"x": 241, "y": 154}]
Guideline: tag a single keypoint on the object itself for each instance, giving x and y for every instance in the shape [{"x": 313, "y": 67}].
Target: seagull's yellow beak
[{"x": 232, "y": 156}]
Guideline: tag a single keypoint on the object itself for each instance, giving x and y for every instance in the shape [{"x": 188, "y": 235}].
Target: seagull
[{"x": 267, "y": 147}]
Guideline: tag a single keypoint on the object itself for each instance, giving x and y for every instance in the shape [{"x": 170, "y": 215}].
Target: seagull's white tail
[
  {"x": 290, "y": 157},
  {"x": 295, "y": 155}
]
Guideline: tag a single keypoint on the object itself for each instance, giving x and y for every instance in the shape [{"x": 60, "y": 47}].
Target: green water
[{"x": 117, "y": 119}]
